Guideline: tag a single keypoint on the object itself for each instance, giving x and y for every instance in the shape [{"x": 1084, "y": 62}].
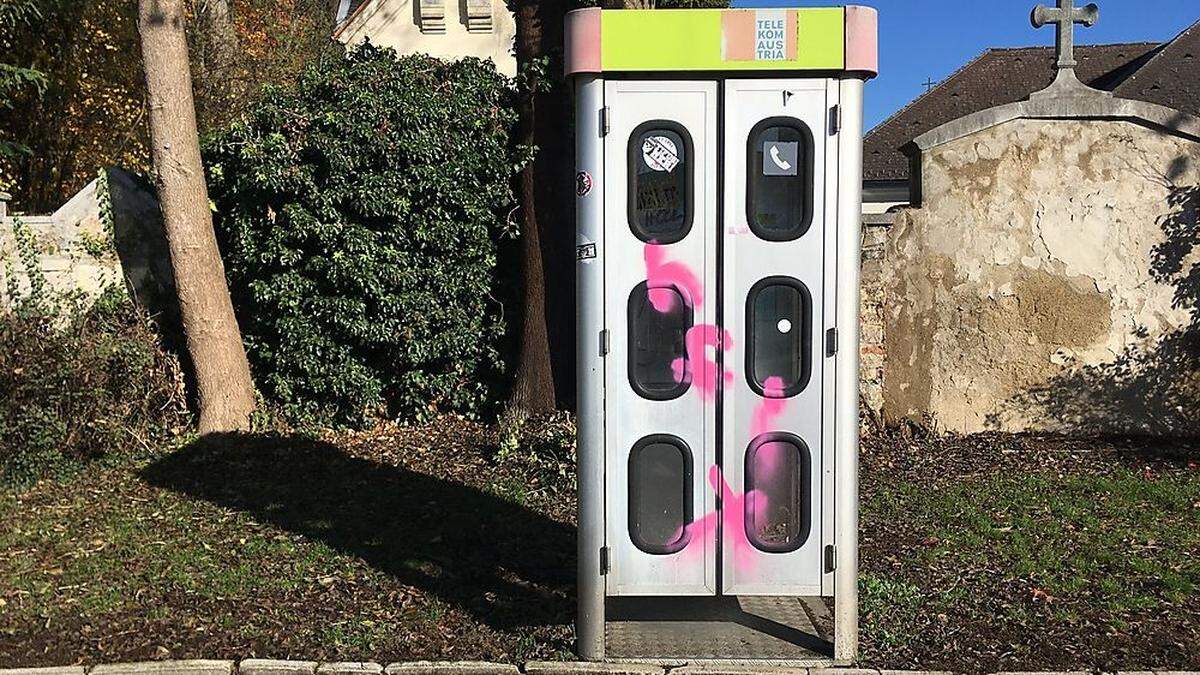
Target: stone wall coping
[{"x": 1081, "y": 104}]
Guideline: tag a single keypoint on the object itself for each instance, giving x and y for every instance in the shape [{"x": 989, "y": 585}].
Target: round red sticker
[{"x": 583, "y": 183}]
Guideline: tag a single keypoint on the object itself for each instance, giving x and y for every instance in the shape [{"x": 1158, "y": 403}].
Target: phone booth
[{"x": 719, "y": 169}]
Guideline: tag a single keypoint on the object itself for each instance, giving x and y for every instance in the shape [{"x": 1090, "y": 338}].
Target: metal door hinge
[
  {"x": 605, "y": 565},
  {"x": 605, "y": 122},
  {"x": 835, "y": 119},
  {"x": 830, "y": 558},
  {"x": 604, "y": 342},
  {"x": 831, "y": 342}
]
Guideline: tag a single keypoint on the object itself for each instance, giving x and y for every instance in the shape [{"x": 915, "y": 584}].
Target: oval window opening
[
  {"x": 777, "y": 507},
  {"x": 779, "y": 179},
  {"x": 660, "y": 494},
  {"x": 659, "y": 319},
  {"x": 779, "y": 344},
  {"x": 660, "y": 182}
]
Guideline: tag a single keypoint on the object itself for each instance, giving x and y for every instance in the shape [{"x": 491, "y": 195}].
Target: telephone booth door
[
  {"x": 716, "y": 392},
  {"x": 660, "y": 164},
  {"x": 776, "y": 408}
]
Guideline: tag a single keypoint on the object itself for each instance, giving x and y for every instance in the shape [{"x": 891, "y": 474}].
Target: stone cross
[{"x": 1066, "y": 15}]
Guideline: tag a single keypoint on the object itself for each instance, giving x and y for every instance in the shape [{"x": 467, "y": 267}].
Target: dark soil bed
[{"x": 450, "y": 541}]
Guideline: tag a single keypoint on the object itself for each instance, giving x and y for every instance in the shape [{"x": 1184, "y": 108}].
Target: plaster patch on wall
[{"x": 1033, "y": 259}]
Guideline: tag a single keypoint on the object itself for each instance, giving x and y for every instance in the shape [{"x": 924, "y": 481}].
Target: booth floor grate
[{"x": 760, "y": 628}]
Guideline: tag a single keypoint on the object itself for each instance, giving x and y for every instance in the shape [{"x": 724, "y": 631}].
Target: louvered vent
[
  {"x": 479, "y": 16},
  {"x": 433, "y": 16}
]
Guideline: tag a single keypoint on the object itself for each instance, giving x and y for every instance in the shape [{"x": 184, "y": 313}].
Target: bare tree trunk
[
  {"x": 533, "y": 390},
  {"x": 214, "y": 342}
]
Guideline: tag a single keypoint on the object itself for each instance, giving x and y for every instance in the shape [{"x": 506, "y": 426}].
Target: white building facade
[{"x": 447, "y": 29}]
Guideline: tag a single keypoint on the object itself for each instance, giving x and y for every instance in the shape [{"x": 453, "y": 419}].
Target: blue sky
[{"x": 930, "y": 39}]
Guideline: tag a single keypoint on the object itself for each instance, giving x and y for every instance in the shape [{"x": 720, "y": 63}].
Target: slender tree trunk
[
  {"x": 533, "y": 390},
  {"x": 215, "y": 54},
  {"x": 214, "y": 342},
  {"x": 217, "y": 24}
]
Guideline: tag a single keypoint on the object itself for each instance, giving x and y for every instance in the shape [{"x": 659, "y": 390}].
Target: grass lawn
[
  {"x": 394, "y": 545},
  {"x": 1000, "y": 552},
  {"x": 443, "y": 542}
]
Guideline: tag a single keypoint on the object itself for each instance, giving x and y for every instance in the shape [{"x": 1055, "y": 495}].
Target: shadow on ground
[{"x": 505, "y": 564}]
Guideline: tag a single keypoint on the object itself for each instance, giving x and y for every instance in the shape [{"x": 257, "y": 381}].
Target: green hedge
[{"x": 359, "y": 214}]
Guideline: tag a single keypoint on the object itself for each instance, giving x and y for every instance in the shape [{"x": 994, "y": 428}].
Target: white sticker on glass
[{"x": 660, "y": 153}]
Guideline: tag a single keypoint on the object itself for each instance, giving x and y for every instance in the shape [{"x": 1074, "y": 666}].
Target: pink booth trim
[
  {"x": 583, "y": 41},
  {"x": 862, "y": 39}
]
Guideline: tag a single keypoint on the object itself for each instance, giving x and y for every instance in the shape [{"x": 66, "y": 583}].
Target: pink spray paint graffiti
[
  {"x": 736, "y": 506},
  {"x": 771, "y": 407},
  {"x": 764, "y": 416},
  {"x": 767, "y": 472},
  {"x": 661, "y": 276},
  {"x": 729, "y": 518},
  {"x": 697, "y": 341}
]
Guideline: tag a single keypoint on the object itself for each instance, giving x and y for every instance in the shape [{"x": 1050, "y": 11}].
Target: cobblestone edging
[{"x": 272, "y": 667}]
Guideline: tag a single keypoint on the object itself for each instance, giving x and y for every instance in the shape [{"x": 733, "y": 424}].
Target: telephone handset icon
[{"x": 779, "y": 161}]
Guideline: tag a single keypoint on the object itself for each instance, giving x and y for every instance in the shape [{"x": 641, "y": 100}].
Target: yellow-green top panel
[{"x": 723, "y": 39}]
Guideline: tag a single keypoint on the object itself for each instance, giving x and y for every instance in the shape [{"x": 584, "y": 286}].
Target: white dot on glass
[{"x": 784, "y": 325}]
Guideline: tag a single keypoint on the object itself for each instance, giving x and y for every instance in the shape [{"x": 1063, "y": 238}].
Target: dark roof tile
[
  {"x": 1171, "y": 77},
  {"x": 996, "y": 77}
]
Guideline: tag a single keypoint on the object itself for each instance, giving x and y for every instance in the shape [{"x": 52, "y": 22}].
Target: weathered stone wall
[
  {"x": 871, "y": 311},
  {"x": 109, "y": 232},
  {"x": 1048, "y": 282}
]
